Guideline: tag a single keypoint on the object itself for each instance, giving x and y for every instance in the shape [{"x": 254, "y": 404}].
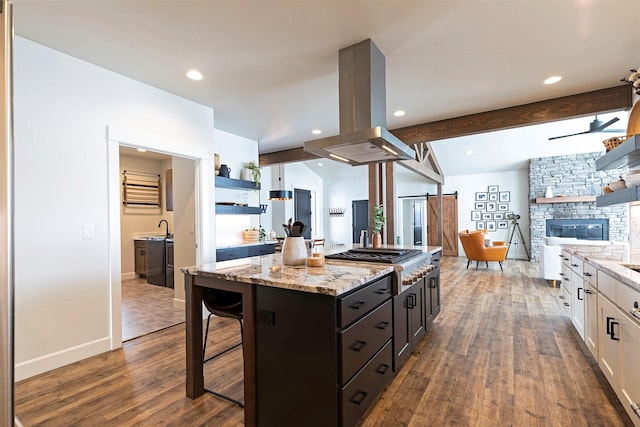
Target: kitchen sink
[{"x": 634, "y": 267}]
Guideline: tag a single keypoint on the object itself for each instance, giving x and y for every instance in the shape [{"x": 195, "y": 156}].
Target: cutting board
[{"x": 633, "y": 127}]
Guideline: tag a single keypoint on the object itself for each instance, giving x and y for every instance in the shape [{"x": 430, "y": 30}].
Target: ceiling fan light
[{"x": 280, "y": 195}]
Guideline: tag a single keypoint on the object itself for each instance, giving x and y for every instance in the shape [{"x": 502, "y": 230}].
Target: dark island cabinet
[
  {"x": 318, "y": 364},
  {"x": 409, "y": 316}
]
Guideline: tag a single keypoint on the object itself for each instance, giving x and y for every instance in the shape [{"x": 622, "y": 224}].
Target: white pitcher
[{"x": 294, "y": 251}]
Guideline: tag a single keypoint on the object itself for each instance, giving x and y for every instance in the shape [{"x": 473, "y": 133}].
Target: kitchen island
[{"x": 318, "y": 340}]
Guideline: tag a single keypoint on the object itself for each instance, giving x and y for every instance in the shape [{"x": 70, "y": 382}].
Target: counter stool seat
[{"x": 223, "y": 304}]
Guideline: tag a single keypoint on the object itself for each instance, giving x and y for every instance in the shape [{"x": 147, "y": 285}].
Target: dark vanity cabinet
[{"x": 329, "y": 356}]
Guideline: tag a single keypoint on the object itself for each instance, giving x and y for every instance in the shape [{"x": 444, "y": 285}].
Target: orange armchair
[{"x": 475, "y": 250}]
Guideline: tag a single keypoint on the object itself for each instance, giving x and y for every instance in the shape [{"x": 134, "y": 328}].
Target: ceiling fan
[{"x": 595, "y": 126}]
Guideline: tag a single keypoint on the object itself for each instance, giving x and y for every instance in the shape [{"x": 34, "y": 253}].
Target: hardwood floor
[
  {"x": 501, "y": 353},
  {"x": 147, "y": 308}
]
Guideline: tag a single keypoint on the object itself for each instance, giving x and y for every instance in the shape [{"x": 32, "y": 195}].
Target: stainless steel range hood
[{"x": 363, "y": 138}]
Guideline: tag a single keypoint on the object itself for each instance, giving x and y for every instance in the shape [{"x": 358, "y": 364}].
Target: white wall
[
  {"x": 184, "y": 226},
  {"x": 234, "y": 151},
  {"x": 517, "y": 182},
  {"x": 64, "y": 246}
]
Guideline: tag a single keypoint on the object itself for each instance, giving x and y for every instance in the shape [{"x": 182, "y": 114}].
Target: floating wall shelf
[{"x": 566, "y": 199}]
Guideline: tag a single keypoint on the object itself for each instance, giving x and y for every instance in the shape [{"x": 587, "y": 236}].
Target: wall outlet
[{"x": 88, "y": 232}]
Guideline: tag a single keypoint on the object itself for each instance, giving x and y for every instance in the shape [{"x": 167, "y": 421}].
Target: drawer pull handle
[
  {"x": 382, "y": 291},
  {"x": 382, "y": 325},
  {"x": 358, "y": 397},
  {"x": 578, "y": 294},
  {"x": 587, "y": 274},
  {"x": 561, "y": 296},
  {"x": 613, "y": 332},
  {"x": 382, "y": 369},
  {"x": 567, "y": 304},
  {"x": 357, "y": 305},
  {"x": 411, "y": 302},
  {"x": 574, "y": 265},
  {"x": 588, "y": 291},
  {"x": 358, "y": 345},
  {"x": 609, "y": 319}
]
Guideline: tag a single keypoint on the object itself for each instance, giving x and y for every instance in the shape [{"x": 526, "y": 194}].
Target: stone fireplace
[{"x": 573, "y": 175}]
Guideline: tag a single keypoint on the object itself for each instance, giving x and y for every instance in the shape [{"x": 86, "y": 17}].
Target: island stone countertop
[{"x": 334, "y": 278}]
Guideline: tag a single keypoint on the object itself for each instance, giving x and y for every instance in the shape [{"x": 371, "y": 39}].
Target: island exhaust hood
[{"x": 363, "y": 138}]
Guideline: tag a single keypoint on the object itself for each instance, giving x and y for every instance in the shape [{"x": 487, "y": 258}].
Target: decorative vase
[
  {"x": 376, "y": 240},
  {"x": 549, "y": 193},
  {"x": 294, "y": 251},
  {"x": 246, "y": 174}
]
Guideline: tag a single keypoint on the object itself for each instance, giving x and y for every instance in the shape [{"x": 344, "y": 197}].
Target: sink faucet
[{"x": 166, "y": 223}]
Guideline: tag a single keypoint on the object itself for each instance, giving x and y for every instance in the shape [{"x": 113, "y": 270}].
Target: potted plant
[
  {"x": 254, "y": 169},
  {"x": 376, "y": 226}
]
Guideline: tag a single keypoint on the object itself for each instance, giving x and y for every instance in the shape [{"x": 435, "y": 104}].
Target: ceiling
[{"x": 271, "y": 67}]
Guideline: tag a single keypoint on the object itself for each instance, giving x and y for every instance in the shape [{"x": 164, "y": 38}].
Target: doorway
[
  {"x": 302, "y": 209},
  {"x": 147, "y": 297},
  {"x": 360, "y": 215},
  {"x": 449, "y": 222}
]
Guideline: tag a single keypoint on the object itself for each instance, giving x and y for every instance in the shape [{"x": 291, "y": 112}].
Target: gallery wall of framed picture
[{"x": 491, "y": 209}]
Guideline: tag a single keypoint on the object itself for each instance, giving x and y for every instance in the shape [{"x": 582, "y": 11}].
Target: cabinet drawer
[
  {"x": 590, "y": 273},
  {"x": 361, "y": 392},
  {"x": 565, "y": 257},
  {"x": 232, "y": 253},
  {"x": 606, "y": 285},
  {"x": 363, "y": 339},
  {"x": 577, "y": 264},
  {"x": 565, "y": 273},
  {"x": 262, "y": 250},
  {"x": 435, "y": 258},
  {"x": 626, "y": 296},
  {"x": 360, "y": 302}
]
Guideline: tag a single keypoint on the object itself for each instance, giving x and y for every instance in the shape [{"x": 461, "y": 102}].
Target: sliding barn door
[{"x": 449, "y": 223}]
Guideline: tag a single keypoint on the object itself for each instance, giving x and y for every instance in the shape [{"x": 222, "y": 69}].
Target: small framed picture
[
  {"x": 481, "y": 197},
  {"x": 491, "y": 226},
  {"x": 480, "y": 225},
  {"x": 492, "y": 189},
  {"x": 493, "y": 197},
  {"x": 503, "y": 206},
  {"x": 498, "y": 216},
  {"x": 491, "y": 206},
  {"x": 480, "y": 206},
  {"x": 505, "y": 196},
  {"x": 503, "y": 225},
  {"x": 476, "y": 215},
  {"x": 487, "y": 216},
  {"x": 507, "y": 215}
]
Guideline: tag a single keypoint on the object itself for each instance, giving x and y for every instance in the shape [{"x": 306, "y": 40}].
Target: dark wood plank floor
[
  {"x": 500, "y": 354},
  {"x": 147, "y": 308}
]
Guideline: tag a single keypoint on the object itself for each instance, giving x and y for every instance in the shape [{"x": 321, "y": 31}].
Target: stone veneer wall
[{"x": 572, "y": 175}]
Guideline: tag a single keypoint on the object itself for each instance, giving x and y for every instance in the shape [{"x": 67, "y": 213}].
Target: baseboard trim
[
  {"x": 48, "y": 362},
  {"x": 127, "y": 276}
]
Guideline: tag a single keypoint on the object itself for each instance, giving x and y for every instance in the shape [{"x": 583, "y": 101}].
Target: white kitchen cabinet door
[
  {"x": 630, "y": 374},
  {"x": 609, "y": 349},
  {"x": 577, "y": 303},
  {"x": 591, "y": 319}
]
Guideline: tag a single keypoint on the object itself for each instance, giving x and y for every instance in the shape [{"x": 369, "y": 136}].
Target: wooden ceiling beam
[{"x": 566, "y": 107}]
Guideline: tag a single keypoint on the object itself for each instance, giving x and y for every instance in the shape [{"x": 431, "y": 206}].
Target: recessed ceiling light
[
  {"x": 319, "y": 164},
  {"x": 468, "y": 152},
  {"x": 399, "y": 113},
  {"x": 142, "y": 150},
  {"x": 316, "y": 131},
  {"x": 553, "y": 79},
  {"x": 194, "y": 75}
]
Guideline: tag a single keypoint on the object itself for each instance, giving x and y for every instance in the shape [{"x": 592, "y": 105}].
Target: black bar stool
[{"x": 224, "y": 304}]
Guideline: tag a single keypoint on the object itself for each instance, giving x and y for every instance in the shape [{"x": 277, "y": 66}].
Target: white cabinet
[
  {"x": 577, "y": 303},
  {"x": 619, "y": 342},
  {"x": 591, "y": 318}
]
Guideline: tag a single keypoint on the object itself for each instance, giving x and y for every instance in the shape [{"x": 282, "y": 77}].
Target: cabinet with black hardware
[
  {"x": 330, "y": 356},
  {"x": 409, "y": 318}
]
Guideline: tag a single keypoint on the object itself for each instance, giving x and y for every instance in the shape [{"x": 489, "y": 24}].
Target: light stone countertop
[
  {"x": 334, "y": 278},
  {"x": 615, "y": 269}
]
